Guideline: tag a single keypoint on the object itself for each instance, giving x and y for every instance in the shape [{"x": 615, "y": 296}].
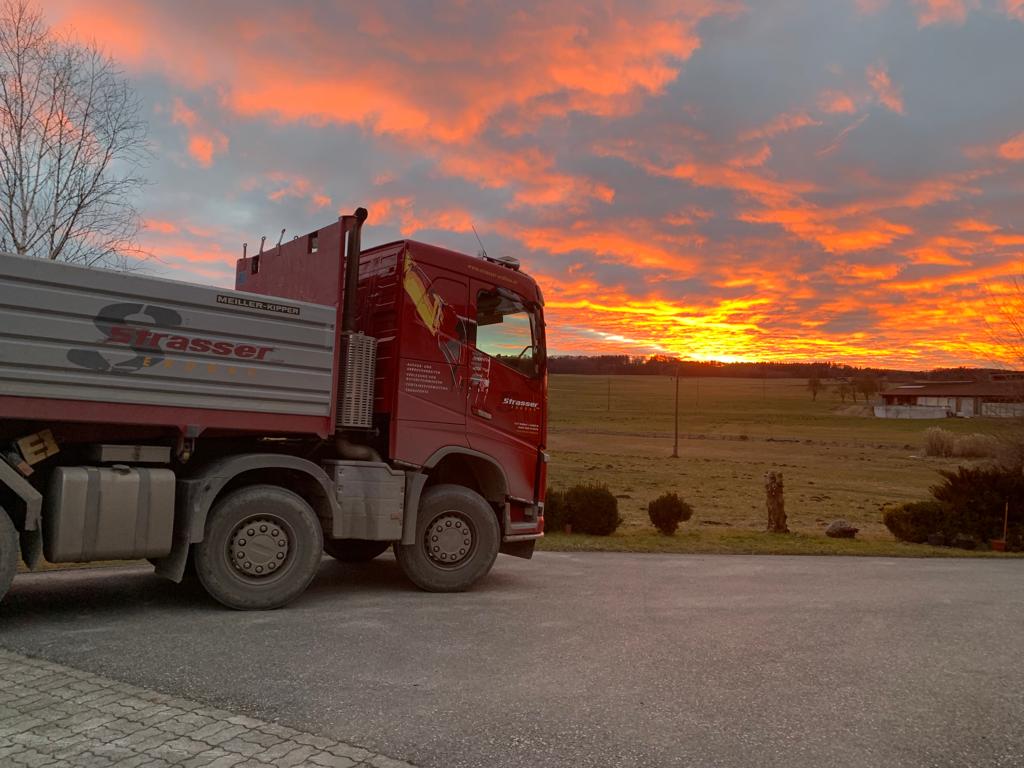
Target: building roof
[{"x": 1012, "y": 389}]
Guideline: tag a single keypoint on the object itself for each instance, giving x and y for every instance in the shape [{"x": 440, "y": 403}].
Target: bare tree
[
  {"x": 1006, "y": 335},
  {"x": 867, "y": 385},
  {"x": 1006, "y": 320},
  {"x": 814, "y": 385},
  {"x": 71, "y": 141},
  {"x": 843, "y": 388}
]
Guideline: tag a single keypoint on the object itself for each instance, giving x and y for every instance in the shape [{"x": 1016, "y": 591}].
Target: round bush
[
  {"x": 555, "y": 511},
  {"x": 592, "y": 509},
  {"x": 917, "y": 520},
  {"x": 668, "y": 511}
]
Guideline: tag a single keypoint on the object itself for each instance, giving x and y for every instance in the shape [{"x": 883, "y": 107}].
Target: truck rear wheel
[
  {"x": 261, "y": 548},
  {"x": 354, "y": 550},
  {"x": 8, "y": 552},
  {"x": 457, "y": 540}
]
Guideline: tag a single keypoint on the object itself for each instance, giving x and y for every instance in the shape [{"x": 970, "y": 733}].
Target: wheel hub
[
  {"x": 449, "y": 539},
  {"x": 259, "y": 547}
]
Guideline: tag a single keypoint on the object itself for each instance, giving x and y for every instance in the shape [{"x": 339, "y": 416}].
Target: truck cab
[{"x": 460, "y": 385}]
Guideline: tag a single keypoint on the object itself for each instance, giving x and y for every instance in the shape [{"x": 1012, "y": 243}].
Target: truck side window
[{"x": 505, "y": 330}]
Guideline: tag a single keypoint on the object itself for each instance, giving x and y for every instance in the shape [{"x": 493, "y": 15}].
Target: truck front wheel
[
  {"x": 457, "y": 540},
  {"x": 261, "y": 548},
  {"x": 354, "y": 550},
  {"x": 8, "y": 552}
]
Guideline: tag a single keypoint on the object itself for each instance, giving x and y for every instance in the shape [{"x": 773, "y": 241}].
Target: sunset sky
[{"x": 821, "y": 180}]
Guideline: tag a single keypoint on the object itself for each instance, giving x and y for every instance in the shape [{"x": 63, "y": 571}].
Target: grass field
[{"x": 836, "y": 459}]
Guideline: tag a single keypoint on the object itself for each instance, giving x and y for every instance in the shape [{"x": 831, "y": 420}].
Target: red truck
[{"x": 338, "y": 400}]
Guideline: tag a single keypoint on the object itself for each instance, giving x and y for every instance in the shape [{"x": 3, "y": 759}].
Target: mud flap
[
  {"x": 414, "y": 482},
  {"x": 31, "y": 543},
  {"x": 523, "y": 549}
]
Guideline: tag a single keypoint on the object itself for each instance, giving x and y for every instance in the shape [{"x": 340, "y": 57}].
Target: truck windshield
[{"x": 507, "y": 330}]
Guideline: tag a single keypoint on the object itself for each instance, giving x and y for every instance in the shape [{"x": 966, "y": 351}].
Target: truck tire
[
  {"x": 261, "y": 548},
  {"x": 8, "y": 552},
  {"x": 354, "y": 550},
  {"x": 457, "y": 540}
]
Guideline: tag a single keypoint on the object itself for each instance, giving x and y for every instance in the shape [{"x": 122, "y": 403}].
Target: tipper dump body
[{"x": 93, "y": 345}]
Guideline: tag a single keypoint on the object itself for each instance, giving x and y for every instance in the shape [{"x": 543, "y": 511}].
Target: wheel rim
[
  {"x": 260, "y": 547},
  {"x": 449, "y": 540}
]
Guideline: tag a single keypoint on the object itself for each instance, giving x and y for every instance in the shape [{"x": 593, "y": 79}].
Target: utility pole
[{"x": 675, "y": 445}]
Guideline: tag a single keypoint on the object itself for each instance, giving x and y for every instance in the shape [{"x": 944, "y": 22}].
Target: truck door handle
[{"x": 482, "y": 413}]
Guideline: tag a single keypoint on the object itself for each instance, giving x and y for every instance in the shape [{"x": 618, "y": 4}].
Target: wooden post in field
[
  {"x": 609, "y": 394},
  {"x": 675, "y": 444},
  {"x": 776, "y": 504}
]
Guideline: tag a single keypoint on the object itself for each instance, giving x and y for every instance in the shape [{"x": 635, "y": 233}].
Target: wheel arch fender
[
  {"x": 198, "y": 493},
  {"x": 231, "y": 472},
  {"x": 457, "y": 465},
  {"x": 475, "y": 470}
]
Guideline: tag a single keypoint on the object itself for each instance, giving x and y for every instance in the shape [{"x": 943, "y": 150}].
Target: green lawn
[{"x": 837, "y": 461}]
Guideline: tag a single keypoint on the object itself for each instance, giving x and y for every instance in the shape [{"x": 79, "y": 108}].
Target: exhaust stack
[
  {"x": 352, "y": 225},
  {"x": 358, "y": 351}
]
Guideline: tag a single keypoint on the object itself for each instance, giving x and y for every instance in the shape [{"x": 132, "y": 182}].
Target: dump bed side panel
[{"x": 75, "y": 334}]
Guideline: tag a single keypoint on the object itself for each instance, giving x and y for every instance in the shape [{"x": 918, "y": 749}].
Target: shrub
[
  {"x": 916, "y": 521},
  {"x": 976, "y": 446},
  {"x": 555, "y": 516},
  {"x": 667, "y": 512},
  {"x": 592, "y": 509},
  {"x": 939, "y": 442},
  {"x": 942, "y": 442},
  {"x": 977, "y": 497}
]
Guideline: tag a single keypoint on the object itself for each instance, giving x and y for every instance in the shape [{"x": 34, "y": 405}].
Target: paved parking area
[
  {"x": 52, "y": 716},
  {"x": 581, "y": 660}
]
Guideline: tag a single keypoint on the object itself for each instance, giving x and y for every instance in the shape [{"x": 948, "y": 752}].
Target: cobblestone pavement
[{"x": 52, "y": 716}]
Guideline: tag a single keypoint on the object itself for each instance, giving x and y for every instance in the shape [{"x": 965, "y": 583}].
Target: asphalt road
[{"x": 585, "y": 659}]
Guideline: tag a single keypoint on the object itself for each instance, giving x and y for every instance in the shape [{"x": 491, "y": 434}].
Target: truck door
[
  {"x": 431, "y": 396},
  {"x": 505, "y": 400}
]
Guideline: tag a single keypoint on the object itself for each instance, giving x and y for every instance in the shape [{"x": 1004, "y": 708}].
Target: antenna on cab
[{"x": 483, "y": 251}]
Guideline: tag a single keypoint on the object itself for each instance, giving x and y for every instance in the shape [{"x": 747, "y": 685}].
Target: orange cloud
[
  {"x": 1013, "y": 148},
  {"x": 398, "y": 81},
  {"x": 1004, "y": 240},
  {"x": 888, "y": 93},
  {"x": 752, "y": 159},
  {"x": 530, "y": 172},
  {"x": 832, "y": 234},
  {"x": 634, "y": 242},
  {"x": 845, "y": 271},
  {"x": 870, "y": 7},
  {"x": 836, "y": 102},
  {"x": 411, "y": 218},
  {"x": 841, "y": 136},
  {"x": 943, "y": 11},
  {"x": 974, "y": 225},
  {"x": 783, "y": 123},
  {"x": 290, "y": 185},
  {"x": 1014, "y": 9},
  {"x": 163, "y": 227},
  {"x": 203, "y": 143}
]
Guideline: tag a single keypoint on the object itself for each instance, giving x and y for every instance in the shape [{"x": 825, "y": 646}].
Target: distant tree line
[
  {"x": 843, "y": 381},
  {"x": 665, "y": 365}
]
